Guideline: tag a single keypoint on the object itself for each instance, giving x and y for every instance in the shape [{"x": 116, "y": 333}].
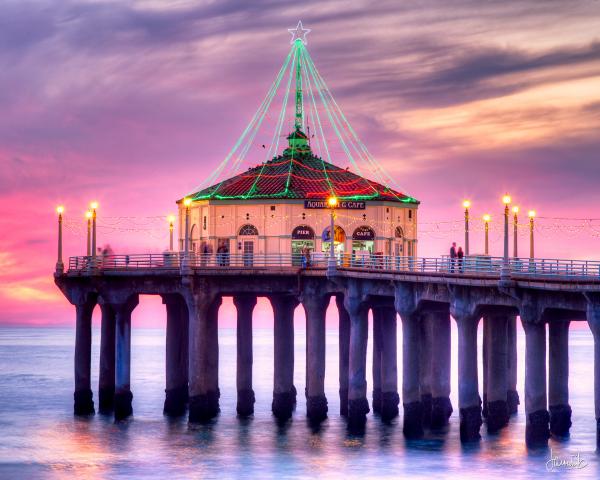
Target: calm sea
[{"x": 40, "y": 438}]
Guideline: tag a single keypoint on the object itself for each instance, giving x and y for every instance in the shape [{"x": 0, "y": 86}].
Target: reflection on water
[{"x": 41, "y": 438}]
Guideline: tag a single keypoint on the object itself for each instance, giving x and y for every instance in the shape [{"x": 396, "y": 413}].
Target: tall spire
[{"x": 299, "y": 120}]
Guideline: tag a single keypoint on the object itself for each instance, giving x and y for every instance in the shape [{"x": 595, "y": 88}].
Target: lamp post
[
  {"x": 88, "y": 215},
  {"x": 486, "y": 220},
  {"x": 60, "y": 268},
  {"x": 171, "y": 219},
  {"x": 187, "y": 202},
  {"x": 531, "y": 215},
  {"x": 505, "y": 272},
  {"x": 466, "y": 204},
  {"x": 515, "y": 211},
  {"x": 332, "y": 202},
  {"x": 94, "y": 206}
]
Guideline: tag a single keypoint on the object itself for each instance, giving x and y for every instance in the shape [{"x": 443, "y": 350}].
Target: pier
[{"x": 426, "y": 294}]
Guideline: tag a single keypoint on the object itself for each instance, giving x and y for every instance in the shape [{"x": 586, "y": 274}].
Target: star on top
[{"x": 299, "y": 33}]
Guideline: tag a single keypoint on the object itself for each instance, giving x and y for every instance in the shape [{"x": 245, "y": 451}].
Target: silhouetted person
[
  {"x": 452, "y": 256},
  {"x": 461, "y": 255}
]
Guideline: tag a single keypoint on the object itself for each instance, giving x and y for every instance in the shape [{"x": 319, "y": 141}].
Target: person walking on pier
[
  {"x": 452, "y": 256},
  {"x": 460, "y": 254}
]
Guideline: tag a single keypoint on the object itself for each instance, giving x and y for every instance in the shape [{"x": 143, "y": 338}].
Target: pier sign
[{"x": 343, "y": 204}]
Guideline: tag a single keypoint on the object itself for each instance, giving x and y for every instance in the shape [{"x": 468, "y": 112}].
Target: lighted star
[{"x": 299, "y": 33}]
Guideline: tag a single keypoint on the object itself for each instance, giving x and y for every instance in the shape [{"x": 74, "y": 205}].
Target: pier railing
[{"x": 474, "y": 265}]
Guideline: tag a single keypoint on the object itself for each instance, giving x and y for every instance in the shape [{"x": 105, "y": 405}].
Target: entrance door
[{"x": 248, "y": 253}]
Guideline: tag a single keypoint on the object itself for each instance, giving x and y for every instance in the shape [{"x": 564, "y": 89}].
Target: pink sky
[{"x": 132, "y": 104}]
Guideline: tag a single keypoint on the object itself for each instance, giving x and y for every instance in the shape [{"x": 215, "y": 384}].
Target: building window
[
  {"x": 303, "y": 216},
  {"x": 399, "y": 232},
  {"x": 247, "y": 216},
  {"x": 410, "y": 214},
  {"x": 272, "y": 208},
  {"x": 204, "y": 222},
  {"x": 248, "y": 230}
]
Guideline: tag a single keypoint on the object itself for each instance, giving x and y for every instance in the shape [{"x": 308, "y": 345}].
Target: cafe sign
[
  {"x": 342, "y": 204},
  {"x": 363, "y": 233}
]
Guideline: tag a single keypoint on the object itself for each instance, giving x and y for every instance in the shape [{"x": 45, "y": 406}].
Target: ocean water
[{"x": 40, "y": 437}]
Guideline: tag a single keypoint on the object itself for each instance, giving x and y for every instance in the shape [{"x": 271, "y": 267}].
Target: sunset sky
[{"x": 134, "y": 103}]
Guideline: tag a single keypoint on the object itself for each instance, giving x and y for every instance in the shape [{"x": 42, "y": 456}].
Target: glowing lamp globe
[
  {"x": 187, "y": 202},
  {"x": 88, "y": 214},
  {"x": 171, "y": 218},
  {"x": 332, "y": 202},
  {"x": 506, "y": 199},
  {"x": 94, "y": 205},
  {"x": 531, "y": 213},
  {"x": 486, "y": 218},
  {"x": 466, "y": 204},
  {"x": 515, "y": 209},
  {"x": 60, "y": 209}
]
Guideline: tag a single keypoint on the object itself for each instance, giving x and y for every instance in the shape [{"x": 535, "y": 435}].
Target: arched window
[
  {"x": 248, "y": 230},
  {"x": 399, "y": 232}
]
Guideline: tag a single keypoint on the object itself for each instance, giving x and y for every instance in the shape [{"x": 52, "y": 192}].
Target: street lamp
[
  {"x": 515, "y": 210},
  {"x": 332, "y": 202},
  {"x": 531, "y": 215},
  {"x": 505, "y": 272},
  {"x": 171, "y": 219},
  {"x": 187, "y": 202},
  {"x": 88, "y": 215},
  {"x": 486, "y": 219},
  {"x": 60, "y": 268},
  {"x": 467, "y": 205},
  {"x": 94, "y": 206}
]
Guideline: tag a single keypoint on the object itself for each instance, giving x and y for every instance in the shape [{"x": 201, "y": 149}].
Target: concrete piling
[
  {"x": 536, "y": 406},
  {"x": 83, "y": 397},
  {"x": 558, "y": 378},
  {"x": 245, "y": 394},
  {"x": 441, "y": 407},
  {"x": 344, "y": 353},
  {"x": 176, "y": 367},
  {"x": 106, "y": 383},
  {"x": 315, "y": 308},
  {"x": 497, "y": 373},
  {"x": 284, "y": 392},
  {"x": 358, "y": 405},
  {"x": 123, "y": 395}
]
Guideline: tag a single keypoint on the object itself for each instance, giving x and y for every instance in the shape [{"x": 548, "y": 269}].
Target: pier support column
[
  {"x": 284, "y": 392},
  {"x": 123, "y": 395},
  {"x": 497, "y": 373},
  {"x": 176, "y": 391},
  {"x": 203, "y": 355},
  {"x": 593, "y": 319},
  {"x": 389, "y": 363},
  {"x": 425, "y": 352},
  {"x": 83, "y": 397},
  {"x": 468, "y": 387},
  {"x": 536, "y": 405},
  {"x": 245, "y": 394},
  {"x": 411, "y": 388},
  {"x": 106, "y": 383},
  {"x": 344, "y": 353},
  {"x": 315, "y": 307},
  {"x": 485, "y": 357},
  {"x": 512, "y": 395},
  {"x": 376, "y": 367},
  {"x": 358, "y": 405},
  {"x": 558, "y": 377},
  {"x": 441, "y": 407}
]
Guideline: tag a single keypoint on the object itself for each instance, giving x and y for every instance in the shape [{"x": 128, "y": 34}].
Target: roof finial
[{"x": 299, "y": 33}]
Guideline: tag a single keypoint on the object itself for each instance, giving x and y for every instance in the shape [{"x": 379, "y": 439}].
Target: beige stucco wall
[{"x": 214, "y": 220}]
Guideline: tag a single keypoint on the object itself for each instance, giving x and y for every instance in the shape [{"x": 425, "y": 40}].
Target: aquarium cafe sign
[{"x": 343, "y": 204}]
